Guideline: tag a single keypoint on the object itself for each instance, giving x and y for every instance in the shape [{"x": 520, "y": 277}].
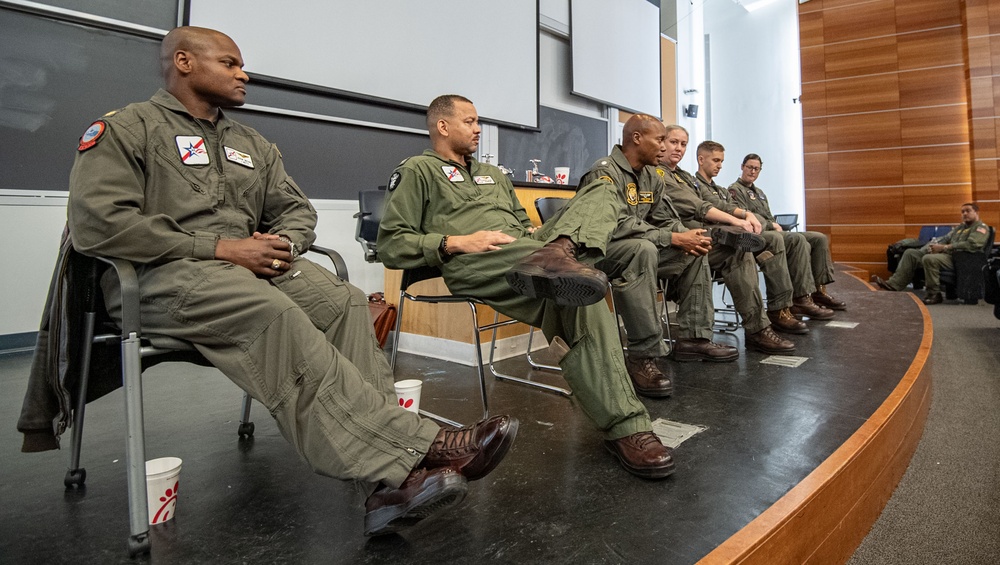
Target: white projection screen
[
  {"x": 399, "y": 50},
  {"x": 616, "y": 53}
]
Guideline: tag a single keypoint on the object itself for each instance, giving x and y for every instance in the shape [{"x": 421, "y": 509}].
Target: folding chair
[{"x": 138, "y": 351}]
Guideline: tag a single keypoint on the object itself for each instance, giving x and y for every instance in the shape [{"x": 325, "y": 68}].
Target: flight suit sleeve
[
  {"x": 975, "y": 242},
  {"x": 107, "y": 191},
  {"x": 741, "y": 198},
  {"x": 287, "y": 211},
  {"x": 402, "y": 244}
]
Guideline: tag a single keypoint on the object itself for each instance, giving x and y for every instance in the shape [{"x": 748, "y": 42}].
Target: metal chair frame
[{"x": 135, "y": 346}]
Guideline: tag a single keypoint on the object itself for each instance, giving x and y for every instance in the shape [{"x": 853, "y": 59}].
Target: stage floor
[{"x": 559, "y": 497}]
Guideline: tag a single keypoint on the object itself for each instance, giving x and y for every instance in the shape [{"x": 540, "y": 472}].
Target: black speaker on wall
[{"x": 691, "y": 111}]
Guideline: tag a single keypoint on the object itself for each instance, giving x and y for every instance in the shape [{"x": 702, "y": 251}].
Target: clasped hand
[
  {"x": 263, "y": 254},
  {"x": 693, "y": 242}
]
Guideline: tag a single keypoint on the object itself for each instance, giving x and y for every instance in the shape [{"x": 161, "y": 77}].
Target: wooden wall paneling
[
  {"x": 668, "y": 81},
  {"x": 981, "y": 91},
  {"x": 817, "y": 169},
  {"x": 813, "y": 63},
  {"x": 854, "y": 132},
  {"x": 994, "y": 16},
  {"x": 980, "y": 62},
  {"x": 814, "y": 135},
  {"x": 862, "y": 57},
  {"x": 866, "y": 206},
  {"x": 929, "y": 126},
  {"x": 994, "y": 54},
  {"x": 817, "y": 206},
  {"x": 913, "y": 15},
  {"x": 984, "y": 138},
  {"x": 985, "y": 177},
  {"x": 810, "y": 29},
  {"x": 935, "y": 204},
  {"x": 863, "y": 94},
  {"x": 866, "y": 168},
  {"x": 932, "y": 87},
  {"x": 937, "y": 165},
  {"x": 932, "y": 48},
  {"x": 865, "y": 244},
  {"x": 813, "y": 99},
  {"x": 844, "y": 23},
  {"x": 977, "y": 17}
]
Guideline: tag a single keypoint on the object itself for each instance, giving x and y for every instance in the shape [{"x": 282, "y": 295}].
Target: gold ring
[{"x": 275, "y": 264}]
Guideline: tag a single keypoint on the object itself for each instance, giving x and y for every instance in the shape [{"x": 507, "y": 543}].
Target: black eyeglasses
[{"x": 751, "y": 168}]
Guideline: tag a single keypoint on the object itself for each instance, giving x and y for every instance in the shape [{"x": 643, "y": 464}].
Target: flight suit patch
[
  {"x": 91, "y": 136},
  {"x": 981, "y": 230},
  {"x": 192, "y": 149},
  {"x": 453, "y": 174},
  {"x": 485, "y": 179},
  {"x": 631, "y": 194},
  {"x": 660, "y": 172},
  {"x": 645, "y": 198},
  {"x": 238, "y": 157},
  {"x": 607, "y": 178},
  {"x": 394, "y": 180}
]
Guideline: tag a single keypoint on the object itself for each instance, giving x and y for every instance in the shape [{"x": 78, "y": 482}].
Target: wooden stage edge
[{"x": 825, "y": 517}]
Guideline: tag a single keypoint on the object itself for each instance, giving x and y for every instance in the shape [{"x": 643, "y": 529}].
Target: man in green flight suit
[
  {"x": 810, "y": 281},
  {"x": 783, "y": 261},
  {"x": 655, "y": 244},
  {"x": 203, "y": 207},
  {"x": 449, "y": 211},
  {"x": 970, "y": 235},
  {"x": 737, "y": 267}
]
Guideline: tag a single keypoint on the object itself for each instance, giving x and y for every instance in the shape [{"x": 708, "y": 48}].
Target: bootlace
[{"x": 460, "y": 439}]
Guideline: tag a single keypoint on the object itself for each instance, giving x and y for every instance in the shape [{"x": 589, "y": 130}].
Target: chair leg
[
  {"x": 536, "y": 365},
  {"x": 399, "y": 326},
  {"x": 505, "y": 377},
  {"x": 246, "y": 426},
  {"x": 76, "y": 476},
  {"x": 135, "y": 448}
]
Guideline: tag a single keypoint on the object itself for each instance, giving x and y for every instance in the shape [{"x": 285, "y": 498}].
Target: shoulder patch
[
  {"x": 394, "y": 180},
  {"x": 92, "y": 135},
  {"x": 607, "y": 178},
  {"x": 661, "y": 172}
]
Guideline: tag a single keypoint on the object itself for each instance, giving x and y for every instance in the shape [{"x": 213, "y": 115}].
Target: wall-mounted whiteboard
[
  {"x": 616, "y": 53},
  {"x": 398, "y": 50}
]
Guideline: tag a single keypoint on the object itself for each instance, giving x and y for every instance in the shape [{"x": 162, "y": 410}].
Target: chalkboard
[
  {"x": 57, "y": 77},
  {"x": 564, "y": 140}
]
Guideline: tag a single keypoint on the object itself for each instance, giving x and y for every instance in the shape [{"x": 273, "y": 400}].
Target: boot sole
[
  {"x": 565, "y": 290},
  {"x": 644, "y": 472},
  {"x": 653, "y": 393},
  {"x": 800, "y": 314},
  {"x": 506, "y": 441},
  {"x": 771, "y": 351},
  {"x": 802, "y": 331},
  {"x": 685, "y": 357},
  {"x": 744, "y": 241},
  {"x": 441, "y": 494}
]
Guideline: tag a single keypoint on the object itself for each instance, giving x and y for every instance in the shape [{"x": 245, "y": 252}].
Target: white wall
[
  {"x": 755, "y": 75},
  {"x": 36, "y": 223}
]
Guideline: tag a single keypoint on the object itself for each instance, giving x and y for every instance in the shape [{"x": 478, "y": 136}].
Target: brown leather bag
[{"x": 383, "y": 316}]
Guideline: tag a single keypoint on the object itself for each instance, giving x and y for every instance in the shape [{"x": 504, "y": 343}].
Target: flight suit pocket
[{"x": 322, "y": 295}]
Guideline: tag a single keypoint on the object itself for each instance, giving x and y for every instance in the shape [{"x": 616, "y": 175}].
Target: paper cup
[
  {"x": 162, "y": 477},
  {"x": 408, "y": 392},
  {"x": 562, "y": 175}
]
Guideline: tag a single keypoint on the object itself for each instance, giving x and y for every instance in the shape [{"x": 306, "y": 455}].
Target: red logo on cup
[{"x": 407, "y": 403}]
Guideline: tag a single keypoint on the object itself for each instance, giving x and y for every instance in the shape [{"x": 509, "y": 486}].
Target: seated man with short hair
[{"x": 970, "y": 235}]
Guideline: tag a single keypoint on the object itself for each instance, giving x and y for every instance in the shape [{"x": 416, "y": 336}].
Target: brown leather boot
[
  {"x": 804, "y": 306},
  {"x": 643, "y": 455},
  {"x": 647, "y": 378},
  {"x": 783, "y": 321},
  {"x": 766, "y": 341},
  {"x": 423, "y": 493},
  {"x": 703, "y": 349},
  {"x": 933, "y": 298},
  {"x": 473, "y": 450},
  {"x": 553, "y": 272},
  {"x": 823, "y": 298}
]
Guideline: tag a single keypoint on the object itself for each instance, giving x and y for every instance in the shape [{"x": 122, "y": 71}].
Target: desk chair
[
  {"x": 788, "y": 222},
  {"x": 138, "y": 351}
]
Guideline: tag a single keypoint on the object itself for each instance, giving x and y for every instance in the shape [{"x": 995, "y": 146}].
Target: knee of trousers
[{"x": 775, "y": 241}]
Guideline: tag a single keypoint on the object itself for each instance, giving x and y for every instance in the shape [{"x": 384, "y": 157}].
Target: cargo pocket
[{"x": 320, "y": 294}]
